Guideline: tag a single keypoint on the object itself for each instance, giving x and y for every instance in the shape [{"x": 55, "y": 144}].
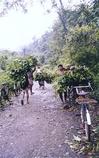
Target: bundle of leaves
[
  {"x": 23, "y": 82},
  {"x": 80, "y": 76},
  {"x": 48, "y": 78},
  {"x": 44, "y": 77},
  {"x": 60, "y": 83},
  {"x": 19, "y": 67},
  {"x": 40, "y": 77},
  {"x": 49, "y": 73}
]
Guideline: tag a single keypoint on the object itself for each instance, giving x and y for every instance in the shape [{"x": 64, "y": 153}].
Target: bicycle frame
[{"x": 85, "y": 111}]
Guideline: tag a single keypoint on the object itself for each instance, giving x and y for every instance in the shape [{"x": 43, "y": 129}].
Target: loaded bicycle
[{"x": 81, "y": 95}]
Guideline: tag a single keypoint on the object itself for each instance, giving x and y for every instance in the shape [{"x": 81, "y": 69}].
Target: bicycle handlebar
[{"x": 83, "y": 92}]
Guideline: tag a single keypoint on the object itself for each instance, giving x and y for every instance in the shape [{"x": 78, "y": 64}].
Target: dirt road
[{"x": 41, "y": 129}]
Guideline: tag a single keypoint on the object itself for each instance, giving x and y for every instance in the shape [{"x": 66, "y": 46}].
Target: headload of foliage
[
  {"x": 79, "y": 76},
  {"x": 45, "y": 75},
  {"x": 20, "y": 66}
]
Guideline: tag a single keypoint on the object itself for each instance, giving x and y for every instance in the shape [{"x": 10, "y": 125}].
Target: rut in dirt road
[{"x": 38, "y": 130}]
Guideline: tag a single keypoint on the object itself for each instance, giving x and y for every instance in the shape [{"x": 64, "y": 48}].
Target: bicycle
[
  {"x": 84, "y": 101},
  {"x": 80, "y": 95}
]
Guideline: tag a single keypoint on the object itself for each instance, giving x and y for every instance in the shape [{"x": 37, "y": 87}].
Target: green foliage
[
  {"x": 60, "y": 83},
  {"x": 84, "y": 43},
  {"x": 43, "y": 77},
  {"x": 20, "y": 66},
  {"x": 15, "y": 72},
  {"x": 96, "y": 81},
  {"x": 49, "y": 70},
  {"x": 40, "y": 77},
  {"x": 80, "y": 76},
  {"x": 4, "y": 78},
  {"x": 96, "y": 87}
]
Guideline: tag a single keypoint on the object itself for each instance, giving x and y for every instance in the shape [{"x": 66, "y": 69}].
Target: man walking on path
[
  {"x": 63, "y": 95},
  {"x": 28, "y": 84},
  {"x": 30, "y": 79},
  {"x": 24, "y": 87}
]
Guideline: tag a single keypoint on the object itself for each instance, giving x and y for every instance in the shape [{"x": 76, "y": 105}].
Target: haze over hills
[{"x": 39, "y": 47}]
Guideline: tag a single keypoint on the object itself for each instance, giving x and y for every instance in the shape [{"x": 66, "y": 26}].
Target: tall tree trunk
[
  {"x": 61, "y": 4},
  {"x": 62, "y": 15}
]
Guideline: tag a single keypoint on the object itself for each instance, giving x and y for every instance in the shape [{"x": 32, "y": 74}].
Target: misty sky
[{"x": 17, "y": 29}]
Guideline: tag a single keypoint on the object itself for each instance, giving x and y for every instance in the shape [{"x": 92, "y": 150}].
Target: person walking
[
  {"x": 25, "y": 89},
  {"x": 60, "y": 72},
  {"x": 30, "y": 79},
  {"x": 41, "y": 80},
  {"x": 62, "y": 94}
]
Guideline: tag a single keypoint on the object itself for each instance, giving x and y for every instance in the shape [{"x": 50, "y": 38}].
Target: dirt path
[{"x": 41, "y": 129}]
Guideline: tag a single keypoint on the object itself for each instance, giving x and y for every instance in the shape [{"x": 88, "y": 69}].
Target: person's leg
[
  {"x": 61, "y": 96},
  {"x": 43, "y": 85},
  {"x": 39, "y": 83},
  {"x": 30, "y": 87},
  {"x": 22, "y": 101},
  {"x": 65, "y": 96},
  {"x": 27, "y": 95},
  {"x": 14, "y": 92},
  {"x": 23, "y": 94}
]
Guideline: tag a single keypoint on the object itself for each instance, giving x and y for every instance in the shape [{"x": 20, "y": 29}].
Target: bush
[
  {"x": 4, "y": 78},
  {"x": 96, "y": 87}
]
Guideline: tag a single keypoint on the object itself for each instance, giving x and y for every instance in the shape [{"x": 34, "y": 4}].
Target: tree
[
  {"x": 15, "y": 4},
  {"x": 3, "y": 62},
  {"x": 84, "y": 44},
  {"x": 42, "y": 59},
  {"x": 23, "y": 4}
]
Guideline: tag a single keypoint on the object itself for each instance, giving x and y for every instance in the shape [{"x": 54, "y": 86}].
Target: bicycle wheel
[
  {"x": 88, "y": 124},
  {"x": 88, "y": 131},
  {"x": 86, "y": 121}
]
